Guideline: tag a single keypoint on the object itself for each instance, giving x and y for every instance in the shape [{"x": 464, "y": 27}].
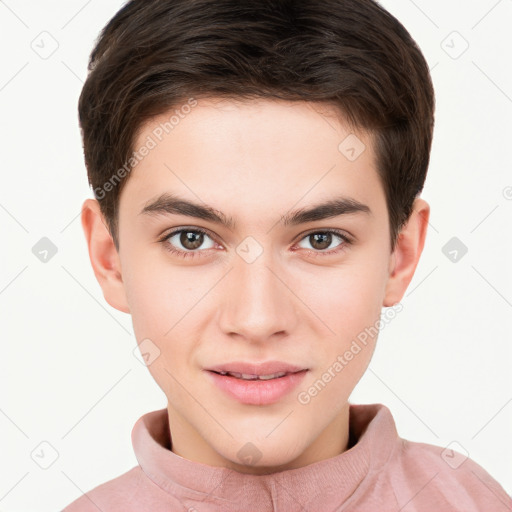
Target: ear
[
  {"x": 103, "y": 255},
  {"x": 407, "y": 252}
]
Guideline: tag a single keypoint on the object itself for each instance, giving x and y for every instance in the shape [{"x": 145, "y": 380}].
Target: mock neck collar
[{"x": 373, "y": 437}]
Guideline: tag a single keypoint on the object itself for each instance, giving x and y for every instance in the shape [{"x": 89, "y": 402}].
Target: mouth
[
  {"x": 252, "y": 386},
  {"x": 270, "y": 369},
  {"x": 248, "y": 376}
]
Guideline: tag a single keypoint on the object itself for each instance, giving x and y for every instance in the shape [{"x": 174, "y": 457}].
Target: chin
[
  {"x": 261, "y": 457},
  {"x": 261, "y": 467}
]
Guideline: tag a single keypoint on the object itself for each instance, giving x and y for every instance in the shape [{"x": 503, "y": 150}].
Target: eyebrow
[{"x": 171, "y": 204}]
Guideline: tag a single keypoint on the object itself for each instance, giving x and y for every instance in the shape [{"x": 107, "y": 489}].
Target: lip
[
  {"x": 257, "y": 392},
  {"x": 264, "y": 368}
]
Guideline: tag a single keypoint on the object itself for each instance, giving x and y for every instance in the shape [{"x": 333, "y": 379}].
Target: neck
[{"x": 189, "y": 444}]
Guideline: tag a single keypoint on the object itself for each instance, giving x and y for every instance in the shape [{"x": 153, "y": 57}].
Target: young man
[{"x": 257, "y": 169}]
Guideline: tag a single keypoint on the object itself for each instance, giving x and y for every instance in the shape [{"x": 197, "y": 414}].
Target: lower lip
[{"x": 257, "y": 392}]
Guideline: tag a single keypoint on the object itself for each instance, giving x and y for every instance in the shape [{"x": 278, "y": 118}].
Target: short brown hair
[{"x": 153, "y": 55}]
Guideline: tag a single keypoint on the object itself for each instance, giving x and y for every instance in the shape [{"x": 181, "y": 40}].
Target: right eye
[{"x": 189, "y": 238}]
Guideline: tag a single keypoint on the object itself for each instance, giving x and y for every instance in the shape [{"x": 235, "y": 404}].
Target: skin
[{"x": 254, "y": 161}]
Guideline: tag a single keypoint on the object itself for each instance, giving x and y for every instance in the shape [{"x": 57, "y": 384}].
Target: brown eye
[
  {"x": 320, "y": 241},
  {"x": 191, "y": 239},
  {"x": 188, "y": 241}
]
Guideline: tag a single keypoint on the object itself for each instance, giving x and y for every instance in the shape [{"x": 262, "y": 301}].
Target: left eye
[{"x": 321, "y": 240}]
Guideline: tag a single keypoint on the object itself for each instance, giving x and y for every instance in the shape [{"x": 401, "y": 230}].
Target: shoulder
[
  {"x": 116, "y": 494},
  {"x": 426, "y": 475}
]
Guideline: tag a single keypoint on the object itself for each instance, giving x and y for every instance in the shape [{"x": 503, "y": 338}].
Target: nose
[{"x": 257, "y": 303}]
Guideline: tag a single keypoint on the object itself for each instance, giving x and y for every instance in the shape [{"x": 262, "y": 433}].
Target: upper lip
[{"x": 265, "y": 368}]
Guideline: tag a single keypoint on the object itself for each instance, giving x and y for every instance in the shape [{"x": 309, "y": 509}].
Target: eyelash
[{"x": 190, "y": 254}]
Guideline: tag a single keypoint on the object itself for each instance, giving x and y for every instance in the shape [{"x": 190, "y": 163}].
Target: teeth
[
  {"x": 245, "y": 376},
  {"x": 272, "y": 376},
  {"x": 248, "y": 376}
]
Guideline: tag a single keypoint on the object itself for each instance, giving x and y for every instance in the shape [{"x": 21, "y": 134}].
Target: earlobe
[
  {"x": 103, "y": 255},
  {"x": 406, "y": 255}
]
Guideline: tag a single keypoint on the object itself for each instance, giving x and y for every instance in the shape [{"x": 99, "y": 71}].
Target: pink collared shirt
[{"x": 381, "y": 472}]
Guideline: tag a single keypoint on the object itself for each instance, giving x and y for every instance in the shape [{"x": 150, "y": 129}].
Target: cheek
[
  {"x": 349, "y": 302},
  {"x": 159, "y": 317},
  {"x": 346, "y": 299},
  {"x": 155, "y": 293},
  {"x": 343, "y": 357},
  {"x": 163, "y": 303}
]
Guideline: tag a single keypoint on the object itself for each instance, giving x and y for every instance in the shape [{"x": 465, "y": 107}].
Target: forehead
[{"x": 253, "y": 154}]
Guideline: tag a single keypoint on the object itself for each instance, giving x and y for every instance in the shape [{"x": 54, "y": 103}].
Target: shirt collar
[{"x": 317, "y": 485}]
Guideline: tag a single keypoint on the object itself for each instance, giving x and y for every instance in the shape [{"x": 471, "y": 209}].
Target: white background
[{"x": 68, "y": 375}]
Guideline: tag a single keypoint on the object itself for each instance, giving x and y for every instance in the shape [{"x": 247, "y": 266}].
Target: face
[{"x": 264, "y": 285}]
